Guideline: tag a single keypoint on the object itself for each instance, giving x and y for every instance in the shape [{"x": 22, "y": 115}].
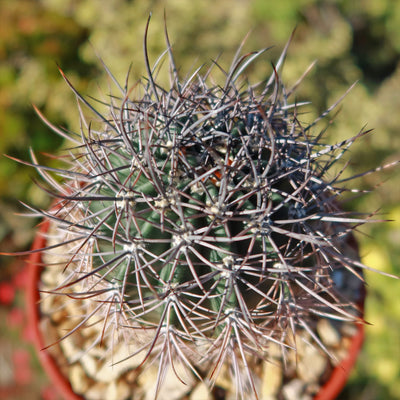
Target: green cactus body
[{"x": 208, "y": 212}]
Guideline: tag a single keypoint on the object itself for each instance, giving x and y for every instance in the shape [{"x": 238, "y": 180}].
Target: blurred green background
[{"x": 351, "y": 40}]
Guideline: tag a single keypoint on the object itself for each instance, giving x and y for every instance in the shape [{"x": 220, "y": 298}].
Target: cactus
[{"x": 200, "y": 226}]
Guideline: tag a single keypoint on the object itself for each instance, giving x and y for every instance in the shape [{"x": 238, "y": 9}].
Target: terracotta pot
[
  {"x": 49, "y": 364},
  {"x": 329, "y": 390}
]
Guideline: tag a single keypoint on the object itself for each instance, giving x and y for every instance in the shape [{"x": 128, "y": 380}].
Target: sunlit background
[{"x": 351, "y": 41}]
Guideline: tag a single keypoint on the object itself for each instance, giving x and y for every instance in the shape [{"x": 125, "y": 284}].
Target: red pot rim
[{"x": 329, "y": 391}]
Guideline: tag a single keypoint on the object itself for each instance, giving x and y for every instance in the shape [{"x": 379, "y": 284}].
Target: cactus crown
[{"x": 202, "y": 221}]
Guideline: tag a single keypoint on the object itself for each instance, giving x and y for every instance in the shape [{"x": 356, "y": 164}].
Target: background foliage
[{"x": 350, "y": 40}]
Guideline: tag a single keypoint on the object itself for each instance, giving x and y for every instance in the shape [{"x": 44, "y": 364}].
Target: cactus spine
[{"x": 200, "y": 226}]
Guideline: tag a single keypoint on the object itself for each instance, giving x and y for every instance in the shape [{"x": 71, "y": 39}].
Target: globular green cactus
[{"x": 200, "y": 226}]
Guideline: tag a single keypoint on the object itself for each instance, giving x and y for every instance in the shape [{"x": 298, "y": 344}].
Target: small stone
[
  {"x": 349, "y": 329},
  {"x": 328, "y": 334},
  {"x": 114, "y": 367},
  {"x": 312, "y": 389},
  {"x": 272, "y": 380},
  {"x": 59, "y": 316},
  {"x": 88, "y": 364},
  {"x": 201, "y": 392},
  {"x": 172, "y": 387},
  {"x": 311, "y": 364},
  {"x": 294, "y": 390},
  {"x": 69, "y": 349},
  {"x": 96, "y": 392},
  {"x": 343, "y": 351},
  {"x": 117, "y": 390},
  {"x": 78, "y": 379}
]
